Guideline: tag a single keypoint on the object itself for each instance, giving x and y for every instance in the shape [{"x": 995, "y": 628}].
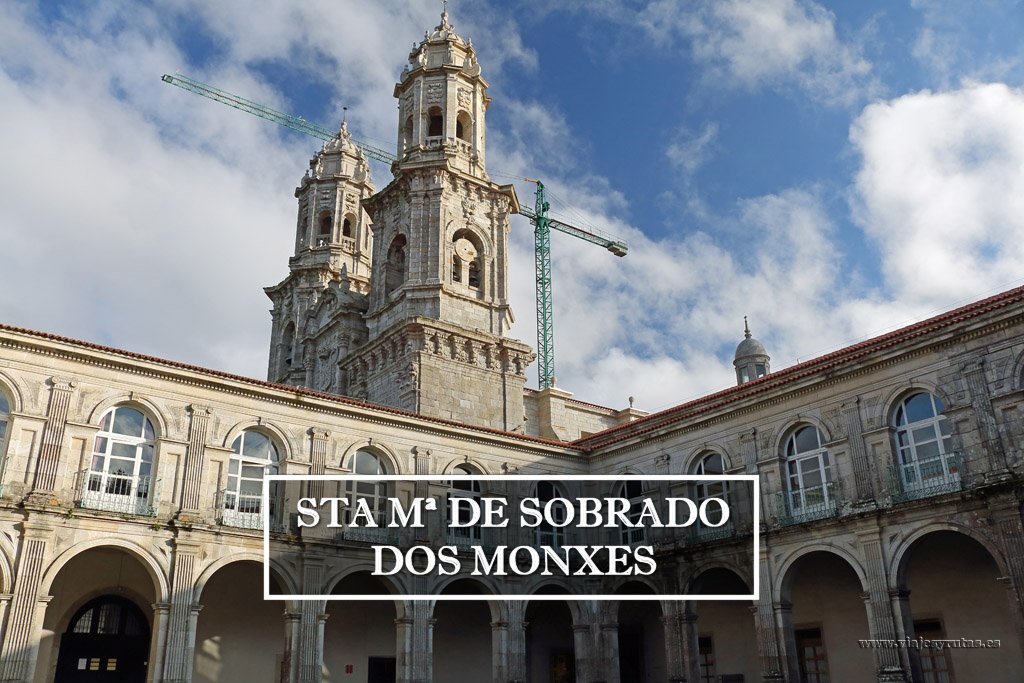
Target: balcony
[
  {"x": 706, "y": 534},
  {"x": 806, "y": 505},
  {"x": 245, "y": 511},
  {"x": 126, "y": 494},
  {"x": 926, "y": 478}
]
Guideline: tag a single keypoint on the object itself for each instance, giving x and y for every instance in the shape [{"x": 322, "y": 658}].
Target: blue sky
[{"x": 832, "y": 170}]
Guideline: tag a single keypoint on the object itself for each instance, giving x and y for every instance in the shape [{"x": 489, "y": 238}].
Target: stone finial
[{"x": 746, "y": 328}]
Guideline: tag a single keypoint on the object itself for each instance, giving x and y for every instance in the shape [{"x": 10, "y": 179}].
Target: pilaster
[
  {"x": 48, "y": 462},
  {"x": 18, "y": 652},
  {"x": 191, "y": 490}
]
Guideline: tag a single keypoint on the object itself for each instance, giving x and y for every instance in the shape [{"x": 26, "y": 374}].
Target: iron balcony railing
[
  {"x": 707, "y": 534},
  {"x": 368, "y": 534},
  {"x": 245, "y": 511},
  {"x": 806, "y": 505},
  {"x": 114, "y": 492},
  {"x": 926, "y": 478}
]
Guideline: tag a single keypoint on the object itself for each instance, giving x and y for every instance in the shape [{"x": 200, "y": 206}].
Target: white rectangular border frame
[{"x": 752, "y": 478}]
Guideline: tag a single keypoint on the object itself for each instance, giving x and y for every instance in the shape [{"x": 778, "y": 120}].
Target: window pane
[
  {"x": 919, "y": 407},
  {"x": 128, "y": 421},
  {"x": 123, "y": 450},
  {"x": 367, "y": 463},
  {"x": 256, "y": 445},
  {"x": 807, "y": 440},
  {"x": 5, "y": 407}
]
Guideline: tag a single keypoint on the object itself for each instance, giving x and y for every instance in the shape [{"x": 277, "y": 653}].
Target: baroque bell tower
[{"x": 438, "y": 308}]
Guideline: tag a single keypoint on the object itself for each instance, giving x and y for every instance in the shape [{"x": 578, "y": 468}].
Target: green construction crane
[
  {"x": 542, "y": 224},
  {"x": 296, "y": 123}
]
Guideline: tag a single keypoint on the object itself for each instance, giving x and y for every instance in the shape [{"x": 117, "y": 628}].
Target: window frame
[
  {"x": 472, "y": 535},
  {"x": 918, "y": 472},
  {"x": 232, "y": 512},
  {"x": 797, "y": 497}
]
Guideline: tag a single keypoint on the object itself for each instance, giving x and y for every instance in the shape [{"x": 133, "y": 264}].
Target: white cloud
[
  {"x": 941, "y": 190},
  {"x": 767, "y": 43},
  {"x": 692, "y": 149}
]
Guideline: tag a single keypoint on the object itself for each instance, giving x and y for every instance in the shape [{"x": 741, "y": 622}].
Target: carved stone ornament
[
  {"x": 435, "y": 90},
  {"x": 465, "y": 97}
]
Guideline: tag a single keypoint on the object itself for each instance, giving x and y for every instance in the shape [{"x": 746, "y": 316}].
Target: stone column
[
  {"x": 47, "y": 463},
  {"x": 191, "y": 489},
  {"x": 161, "y": 610},
  {"x": 881, "y": 621},
  {"x": 1011, "y": 536},
  {"x": 182, "y": 616},
  {"x": 582, "y": 646},
  {"x": 499, "y": 651},
  {"x": 673, "y": 629},
  {"x": 608, "y": 649},
  {"x": 768, "y": 643},
  {"x": 20, "y": 648},
  {"x": 414, "y": 648},
  {"x": 899, "y": 600},
  {"x": 786, "y": 637},
  {"x": 289, "y": 661},
  {"x": 690, "y": 643},
  {"x": 310, "y": 653},
  {"x": 516, "y": 647}
]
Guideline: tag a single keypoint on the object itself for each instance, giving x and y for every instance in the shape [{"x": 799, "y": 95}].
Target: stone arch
[
  {"x": 472, "y": 463},
  {"x": 161, "y": 583},
  {"x": 499, "y": 611},
  {"x": 7, "y": 555},
  {"x": 269, "y": 429},
  {"x": 783, "y": 576},
  {"x": 1016, "y": 380},
  {"x": 481, "y": 241},
  {"x": 64, "y": 618},
  {"x": 288, "y": 582},
  {"x": 698, "y": 454},
  {"x": 12, "y": 391},
  {"x": 896, "y": 395},
  {"x": 384, "y": 452},
  {"x": 704, "y": 568},
  {"x": 389, "y": 582},
  {"x": 796, "y": 423},
  {"x": 898, "y": 565},
  {"x": 576, "y": 608},
  {"x": 464, "y": 126},
  {"x": 142, "y": 404}
]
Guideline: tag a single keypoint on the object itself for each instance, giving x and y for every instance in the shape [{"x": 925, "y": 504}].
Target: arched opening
[
  {"x": 462, "y": 635},
  {"x": 924, "y": 449},
  {"x": 120, "y": 476},
  {"x": 467, "y": 260},
  {"x": 98, "y": 624},
  {"x": 435, "y": 122},
  {"x": 711, "y": 464},
  {"x": 954, "y": 592},
  {"x": 463, "y": 126},
  {"x": 287, "y": 347},
  {"x": 106, "y": 640},
  {"x": 5, "y": 417},
  {"x": 325, "y": 227},
  {"x": 239, "y": 635},
  {"x": 460, "y": 486},
  {"x": 633, "y": 491},
  {"x": 808, "y": 474},
  {"x": 407, "y": 133},
  {"x": 550, "y": 647},
  {"x": 827, "y": 621},
  {"x": 726, "y": 640},
  {"x": 347, "y": 225},
  {"x": 394, "y": 269},
  {"x": 360, "y": 637},
  {"x": 641, "y": 636}
]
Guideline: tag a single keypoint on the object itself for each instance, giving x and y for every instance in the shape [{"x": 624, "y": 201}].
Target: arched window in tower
[
  {"x": 374, "y": 494},
  {"x": 456, "y": 268},
  {"x": 254, "y": 455},
  {"x": 120, "y": 476},
  {"x": 407, "y": 131},
  {"x": 287, "y": 347},
  {"x": 463, "y": 126},
  {"x": 808, "y": 473},
  {"x": 459, "y": 487},
  {"x": 346, "y": 226},
  {"x": 324, "y": 232},
  {"x": 435, "y": 122},
  {"x": 474, "y": 275},
  {"x": 467, "y": 259},
  {"x": 923, "y": 444},
  {"x": 394, "y": 273}
]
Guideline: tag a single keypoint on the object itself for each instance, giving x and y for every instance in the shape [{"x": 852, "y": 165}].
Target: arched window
[
  {"x": 5, "y": 417},
  {"x": 463, "y": 126},
  {"x": 923, "y": 443},
  {"x": 808, "y": 472},
  {"x": 374, "y": 493},
  {"x": 346, "y": 226},
  {"x": 407, "y": 129},
  {"x": 394, "y": 274},
  {"x": 120, "y": 477},
  {"x": 435, "y": 126},
  {"x": 550, "y": 534},
  {"x": 287, "y": 347},
  {"x": 633, "y": 491},
  {"x": 456, "y": 268},
  {"x": 324, "y": 232},
  {"x": 106, "y": 640},
  {"x": 709, "y": 465},
  {"x": 254, "y": 455},
  {"x": 474, "y": 275},
  {"x": 464, "y": 488},
  {"x": 466, "y": 258}
]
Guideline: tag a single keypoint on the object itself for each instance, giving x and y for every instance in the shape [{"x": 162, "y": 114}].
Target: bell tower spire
[{"x": 438, "y": 308}]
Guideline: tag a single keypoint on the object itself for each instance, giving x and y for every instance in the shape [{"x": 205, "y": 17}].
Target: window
[
  {"x": 435, "y": 127},
  {"x": 394, "y": 273},
  {"x": 811, "y": 655},
  {"x": 760, "y": 370},
  {"x": 935, "y": 665},
  {"x": 5, "y": 417},
  {"x": 464, "y": 488},
  {"x": 346, "y": 227},
  {"x": 633, "y": 491},
  {"x": 466, "y": 259},
  {"x": 706, "y": 655},
  {"x": 287, "y": 347},
  {"x": 550, "y": 534},
  {"x": 711, "y": 464},
  {"x": 474, "y": 275},
  {"x": 407, "y": 129},
  {"x": 809, "y": 475},
  {"x": 923, "y": 443},
  {"x": 324, "y": 233},
  {"x": 373, "y": 493},
  {"x": 463, "y": 126},
  {"x": 254, "y": 455},
  {"x": 120, "y": 476}
]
